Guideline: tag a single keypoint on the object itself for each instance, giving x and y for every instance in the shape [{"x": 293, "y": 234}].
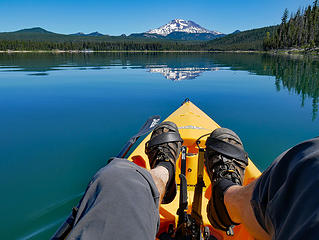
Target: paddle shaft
[
  {"x": 148, "y": 126},
  {"x": 126, "y": 148}
]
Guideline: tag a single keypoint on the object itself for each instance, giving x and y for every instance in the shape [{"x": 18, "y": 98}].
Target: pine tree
[{"x": 284, "y": 17}]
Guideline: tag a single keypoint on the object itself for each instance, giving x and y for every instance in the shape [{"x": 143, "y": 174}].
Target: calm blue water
[{"x": 62, "y": 116}]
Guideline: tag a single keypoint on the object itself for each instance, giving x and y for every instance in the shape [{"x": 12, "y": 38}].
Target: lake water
[{"x": 63, "y": 115}]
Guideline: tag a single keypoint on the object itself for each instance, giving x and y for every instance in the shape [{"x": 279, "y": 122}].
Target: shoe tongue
[
  {"x": 231, "y": 140},
  {"x": 224, "y": 134}
]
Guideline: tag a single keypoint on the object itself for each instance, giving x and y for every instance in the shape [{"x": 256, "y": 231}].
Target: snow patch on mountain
[{"x": 180, "y": 25}]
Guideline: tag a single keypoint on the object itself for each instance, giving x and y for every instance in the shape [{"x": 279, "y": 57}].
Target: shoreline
[
  {"x": 295, "y": 51},
  {"x": 129, "y": 51},
  {"x": 286, "y": 52},
  {"x": 145, "y": 51}
]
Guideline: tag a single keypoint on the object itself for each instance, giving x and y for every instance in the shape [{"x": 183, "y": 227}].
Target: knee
[{"x": 116, "y": 169}]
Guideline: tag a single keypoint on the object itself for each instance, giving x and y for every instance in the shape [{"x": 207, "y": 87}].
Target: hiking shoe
[
  {"x": 163, "y": 149},
  {"x": 225, "y": 160}
]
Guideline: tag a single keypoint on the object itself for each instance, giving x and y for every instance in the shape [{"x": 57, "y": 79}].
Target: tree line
[
  {"x": 29, "y": 45},
  {"x": 301, "y": 30}
]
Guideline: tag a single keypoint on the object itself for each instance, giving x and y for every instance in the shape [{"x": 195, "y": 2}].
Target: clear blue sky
[{"x": 129, "y": 16}]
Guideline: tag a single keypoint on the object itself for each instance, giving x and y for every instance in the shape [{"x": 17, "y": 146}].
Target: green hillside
[{"x": 247, "y": 40}]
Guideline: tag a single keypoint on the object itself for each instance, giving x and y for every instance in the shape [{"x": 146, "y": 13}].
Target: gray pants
[
  {"x": 121, "y": 202},
  {"x": 286, "y": 196}
]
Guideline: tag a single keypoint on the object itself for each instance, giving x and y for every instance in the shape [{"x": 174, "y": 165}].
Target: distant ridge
[
  {"x": 33, "y": 30},
  {"x": 40, "y": 34}
]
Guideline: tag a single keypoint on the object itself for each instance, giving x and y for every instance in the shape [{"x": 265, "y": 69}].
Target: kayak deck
[{"x": 192, "y": 123}]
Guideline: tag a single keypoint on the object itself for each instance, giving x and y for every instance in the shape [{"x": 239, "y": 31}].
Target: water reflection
[
  {"x": 178, "y": 74},
  {"x": 297, "y": 74},
  {"x": 38, "y": 74}
]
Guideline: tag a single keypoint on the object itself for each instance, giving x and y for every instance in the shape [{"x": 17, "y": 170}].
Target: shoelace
[
  {"x": 226, "y": 169},
  {"x": 163, "y": 153}
]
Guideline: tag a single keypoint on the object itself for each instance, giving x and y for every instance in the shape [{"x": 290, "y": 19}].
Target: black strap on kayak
[
  {"x": 165, "y": 137},
  {"x": 190, "y": 226},
  {"x": 183, "y": 203},
  {"x": 183, "y": 160},
  {"x": 196, "y": 213},
  {"x": 182, "y": 231},
  {"x": 227, "y": 149}
]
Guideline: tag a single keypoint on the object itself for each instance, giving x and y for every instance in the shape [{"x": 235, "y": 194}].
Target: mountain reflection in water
[{"x": 178, "y": 74}]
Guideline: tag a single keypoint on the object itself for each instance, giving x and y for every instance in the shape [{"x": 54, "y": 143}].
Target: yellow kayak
[{"x": 192, "y": 123}]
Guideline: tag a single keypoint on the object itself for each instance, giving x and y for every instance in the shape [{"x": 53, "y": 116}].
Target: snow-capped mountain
[{"x": 180, "y": 25}]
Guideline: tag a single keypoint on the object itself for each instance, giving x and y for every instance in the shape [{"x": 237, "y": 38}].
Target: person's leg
[
  {"x": 160, "y": 176},
  {"x": 237, "y": 202},
  {"x": 282, "y": 204},
  {"x": 121, "y": 202},
  {"x": 285, "y": 199}
]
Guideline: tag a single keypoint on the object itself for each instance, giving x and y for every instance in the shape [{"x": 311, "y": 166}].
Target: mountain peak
[
  {"x": 94, "y": 34},
  {"x": 181, "y": 25},
  {"x": 235, "y": 32}
]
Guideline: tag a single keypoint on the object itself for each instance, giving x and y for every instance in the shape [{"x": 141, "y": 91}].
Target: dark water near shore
[{"x": 63, "y": 115}]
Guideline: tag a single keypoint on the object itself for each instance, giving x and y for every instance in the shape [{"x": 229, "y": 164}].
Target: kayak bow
[{"x": 193, "y": 124}]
